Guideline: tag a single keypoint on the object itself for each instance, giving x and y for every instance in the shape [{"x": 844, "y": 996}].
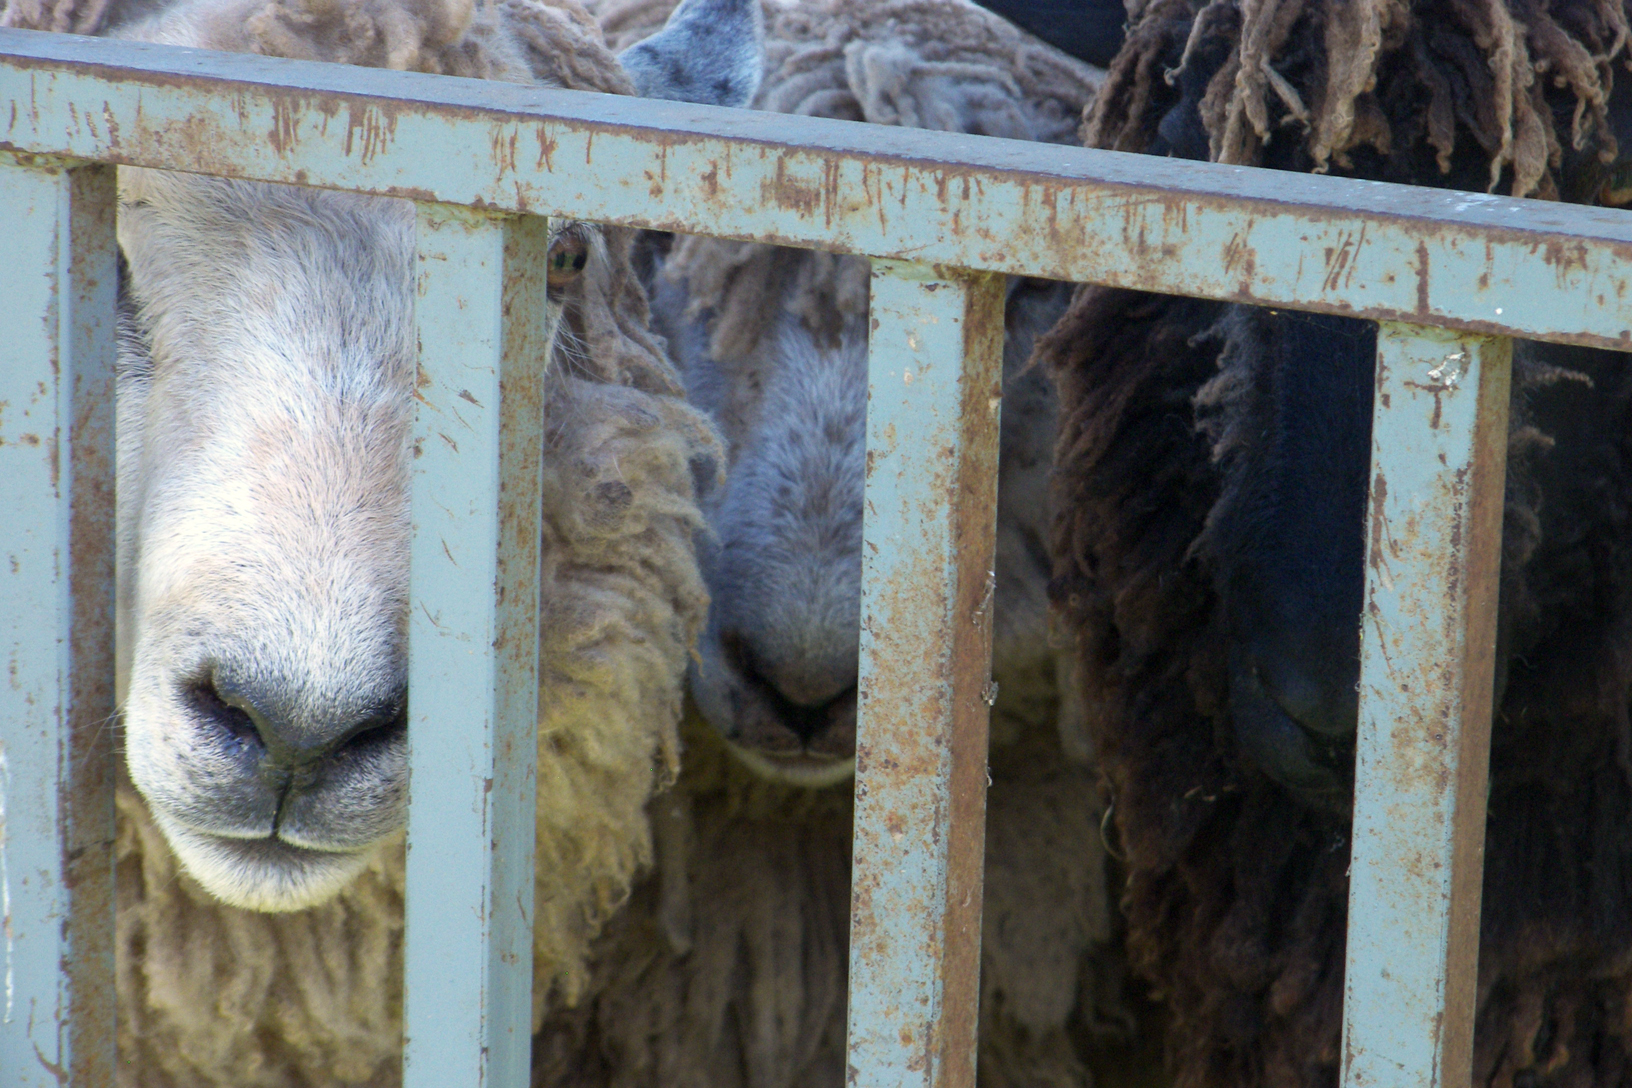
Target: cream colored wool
[
  {"x": 214, "y": 996},
  {"x": 728, "y": 968}
]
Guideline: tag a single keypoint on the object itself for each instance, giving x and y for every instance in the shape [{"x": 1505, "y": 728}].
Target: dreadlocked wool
[
  {"x": 1236, "y": 899},
  {"x": 212, "y": 996},
  {"x": 1317, "y": 84}
]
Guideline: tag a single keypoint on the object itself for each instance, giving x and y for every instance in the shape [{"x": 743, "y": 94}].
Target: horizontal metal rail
[
  {"x": 1392, "y": 253},
  {"x": 945, "y": 209}
]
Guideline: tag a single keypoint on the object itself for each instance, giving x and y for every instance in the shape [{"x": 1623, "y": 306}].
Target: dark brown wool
[
  {"x": 1236, "y": 900},
  {"x": 1329, "y": 77}
]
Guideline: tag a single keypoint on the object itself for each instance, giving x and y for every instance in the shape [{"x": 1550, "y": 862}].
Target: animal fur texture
[
  {"x": 210, "y": 995},
  {"x": 1236, "y": 899},
  {"x": 729, "y": 965},
  {"x": 1397, "y": 90}
]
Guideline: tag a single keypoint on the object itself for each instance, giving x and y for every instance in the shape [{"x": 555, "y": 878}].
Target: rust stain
[
  {"x": 547, "y": 145},
  {"x": 370, "y": 128},
  {"x": 1566, "y": 258},
  {"x": 1240, "y": 259},
  {"x": 830, "y": 191},
  {"x": 503, "y": 148},
  {"x": 1422, "y": 277},
  {"x": 285, "y": 133},
  {"x": 785, "y": 191},
  {"x": 1341, "y": 260},
  {"x": 1443, "y": 379}
]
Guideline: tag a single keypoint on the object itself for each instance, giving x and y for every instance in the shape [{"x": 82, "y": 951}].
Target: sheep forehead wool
[
  {"x": 210, "y": 995},
  {"x": 1338, "y": 78},
  {"x": 935, "y": 64}
]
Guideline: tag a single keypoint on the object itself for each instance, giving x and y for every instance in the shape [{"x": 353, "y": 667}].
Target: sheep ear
[{"x": 710, "y": 51}]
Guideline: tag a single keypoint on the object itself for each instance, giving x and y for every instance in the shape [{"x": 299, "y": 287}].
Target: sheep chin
[
  {"x": 811, "y": 772},
  {"x": 266, "y": 875}
]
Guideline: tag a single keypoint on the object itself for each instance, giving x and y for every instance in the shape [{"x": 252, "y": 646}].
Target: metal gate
[{"x": 1449, "y": 275}]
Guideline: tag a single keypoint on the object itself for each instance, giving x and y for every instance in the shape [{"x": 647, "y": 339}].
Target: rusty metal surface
[
  {"x": 484, "y": 339},
  {"x": 1428, "y": 637},
  {"x": 59, "y": 283},
  {"x": 929, "y": 523},
  {"x": 1482, "y": 263}
]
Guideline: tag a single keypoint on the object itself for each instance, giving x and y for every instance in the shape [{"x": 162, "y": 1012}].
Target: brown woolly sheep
[
  {"x": 265, "y": 395},
  {"x": 729, "y": 966},
  {"x": 1210, "y": 485}
]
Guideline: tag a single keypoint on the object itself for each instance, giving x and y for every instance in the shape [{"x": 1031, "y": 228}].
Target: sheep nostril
[
  {"x": 228, "y": 717},
  {"x": 380, "y": 730},
  {"x": 253, "y": 718},
  {"x": 1313, "y": 766}
]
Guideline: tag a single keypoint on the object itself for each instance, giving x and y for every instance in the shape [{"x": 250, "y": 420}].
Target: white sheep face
[
  {"x": 265, "y": 403},
  {"x": 264, "y": 516}
]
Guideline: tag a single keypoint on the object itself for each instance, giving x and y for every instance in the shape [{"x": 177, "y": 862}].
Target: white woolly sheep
[{"x": 265, "y": 398}]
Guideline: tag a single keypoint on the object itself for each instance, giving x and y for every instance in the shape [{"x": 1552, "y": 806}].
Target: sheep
[
  {"x": 265, "y": 392},
  {"x": 729, "y": 965},
  {"x": 1210, "y": 489}
]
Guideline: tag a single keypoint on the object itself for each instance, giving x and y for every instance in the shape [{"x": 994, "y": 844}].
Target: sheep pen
[
  {"x": 730, "y": 964},
  {"x": 265, "y": 395},
  {"x": 1211, "y": 480}
]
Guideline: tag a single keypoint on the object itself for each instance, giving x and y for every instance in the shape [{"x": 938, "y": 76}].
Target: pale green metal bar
[
  {"x": 1364, "y": 249},
  {"x": 484, "y": 335},
  {"x": 929, "y": 522},
  {"x": 57, "y": 341},
  {"x": 1428, "y": 640}
]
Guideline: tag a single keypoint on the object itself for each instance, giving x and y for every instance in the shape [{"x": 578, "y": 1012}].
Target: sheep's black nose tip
[
  {"x": 807, "y": 695},
  {"x": 255, "y": 717},
  {"x": 1314, "y": 764}
]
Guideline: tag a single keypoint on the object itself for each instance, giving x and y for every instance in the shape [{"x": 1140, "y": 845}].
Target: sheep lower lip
[
  {"x": 808, "y": 769},
  {"x": 271, "y": 849},
  {"x": 256, "y": 848}
]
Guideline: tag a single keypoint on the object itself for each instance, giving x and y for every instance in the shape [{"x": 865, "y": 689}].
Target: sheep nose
[
  {"x": 259, "y": 716},
  {"x": 809, "y": 690},
  {"x": 1309, "y": 760}
]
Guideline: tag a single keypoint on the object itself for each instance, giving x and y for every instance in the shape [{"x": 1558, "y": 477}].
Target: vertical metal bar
[
  {"x": 59, "y": 280},
  {"x": 934, "y": 393},
  {"x": 1428, "y": 638},
  {"x": 484, "y": 339}
]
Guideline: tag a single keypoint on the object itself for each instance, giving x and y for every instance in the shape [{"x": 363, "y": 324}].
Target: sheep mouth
[
  {"x": 794, "y": 744},
  {"x": 807, "y": 770},
  {"x": 266, "y": 873},
  {"x": 1311, "y": 765}
]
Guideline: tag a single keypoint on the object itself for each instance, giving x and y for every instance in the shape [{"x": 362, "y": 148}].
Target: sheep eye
[
  {"x": 569, "y": 253},
  {"x": 1617, "y": 188}
]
